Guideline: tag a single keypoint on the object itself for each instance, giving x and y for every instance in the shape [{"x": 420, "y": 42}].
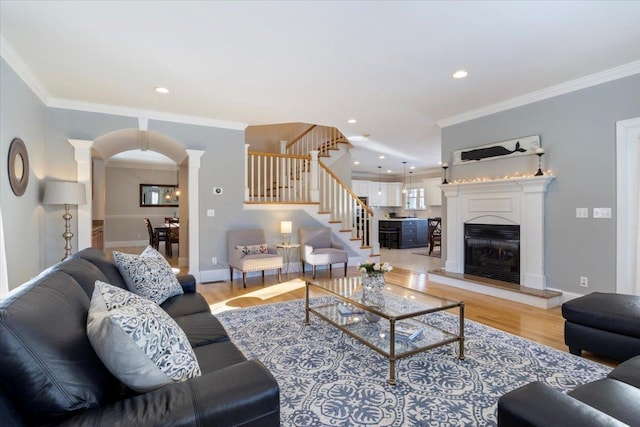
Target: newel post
[{"x": 313, "y": 185}]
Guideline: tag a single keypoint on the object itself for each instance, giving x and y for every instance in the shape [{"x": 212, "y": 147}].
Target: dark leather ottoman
[{"x": 606, "y": 324}]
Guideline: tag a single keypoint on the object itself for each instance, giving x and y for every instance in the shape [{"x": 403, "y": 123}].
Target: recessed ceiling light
[
  {"x": 352, "y": 121},
  {"x": 356, "y": 162},
  {"x": 388, "y": 170},
  {"x": 381, "y": 157},
  {"x": 162, "y": 90},
  {"x": 412, "y": 167},
  {"x": 460, "y": 74}
]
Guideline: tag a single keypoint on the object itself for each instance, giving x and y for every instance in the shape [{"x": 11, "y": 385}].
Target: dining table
[{"x": 162, "y": 233}]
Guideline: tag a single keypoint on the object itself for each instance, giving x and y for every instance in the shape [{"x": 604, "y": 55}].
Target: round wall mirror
[{"x": 18, "y": 167}]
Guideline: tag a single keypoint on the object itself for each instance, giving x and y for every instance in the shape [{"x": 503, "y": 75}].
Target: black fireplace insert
[{"x": 492, "y": 251}]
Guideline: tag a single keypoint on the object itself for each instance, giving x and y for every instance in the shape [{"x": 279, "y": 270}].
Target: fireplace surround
[{"x": 513, "y": 201}]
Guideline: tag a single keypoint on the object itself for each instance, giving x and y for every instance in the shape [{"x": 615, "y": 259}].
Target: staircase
[{"x": 300, "y": 175}]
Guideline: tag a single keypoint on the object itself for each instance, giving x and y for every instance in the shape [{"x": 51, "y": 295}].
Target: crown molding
[
  {"x": 17, "y": 64},
  {"x": 69, "y": 104},
  {"x": 561, "y": 89}
]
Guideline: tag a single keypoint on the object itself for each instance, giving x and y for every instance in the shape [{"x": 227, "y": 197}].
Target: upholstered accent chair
[
  {"x": 317, "y": 248},
  {"x": 248, "y": 251}
]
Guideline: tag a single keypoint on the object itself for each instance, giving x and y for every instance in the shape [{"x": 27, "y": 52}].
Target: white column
[
  {"x": 194, "y": 212},
  {"x": 246, "y": 172},
  {"x": 454, "y": 230},
  {"x": 532, "y": 234},
  {"x": 82, "y": 156}
]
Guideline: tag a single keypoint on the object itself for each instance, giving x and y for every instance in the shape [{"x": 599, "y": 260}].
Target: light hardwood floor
[{"x": 539, "y": 325}]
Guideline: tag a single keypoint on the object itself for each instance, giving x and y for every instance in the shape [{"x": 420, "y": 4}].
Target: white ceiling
[{"x": 386, "y": 64}]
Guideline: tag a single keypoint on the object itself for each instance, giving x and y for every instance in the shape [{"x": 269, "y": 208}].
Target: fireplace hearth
[{"x": 492, "y": 251}]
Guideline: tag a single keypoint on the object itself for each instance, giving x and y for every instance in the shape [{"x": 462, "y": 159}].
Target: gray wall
[
  {"x": 38, "y": 228},
  {"x": 23, "y": 115},
  {"x": 124, "y": 219},
  {"x": 577, "y": 131}
]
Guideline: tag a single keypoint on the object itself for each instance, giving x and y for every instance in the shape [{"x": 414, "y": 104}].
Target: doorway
[{"x": 628, "y": 206}]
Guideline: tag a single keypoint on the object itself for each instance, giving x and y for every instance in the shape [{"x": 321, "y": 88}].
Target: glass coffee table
[{"x": 400, "y": 329}]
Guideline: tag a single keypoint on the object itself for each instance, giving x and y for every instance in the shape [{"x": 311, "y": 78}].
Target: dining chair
[
  {"x": 435, "y": 233},
  {"x": 153, "y": 240},
  {"x": 173, "y": 233}
]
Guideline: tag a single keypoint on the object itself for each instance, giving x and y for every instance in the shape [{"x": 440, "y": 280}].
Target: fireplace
[{"x": 492, "y": 251}]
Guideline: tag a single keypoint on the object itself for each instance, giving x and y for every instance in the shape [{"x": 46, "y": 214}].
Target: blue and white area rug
[{"x": 327, "y": 378}]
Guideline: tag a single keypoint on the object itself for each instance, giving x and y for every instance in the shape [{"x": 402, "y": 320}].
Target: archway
[{"x": 130, "y": 139}]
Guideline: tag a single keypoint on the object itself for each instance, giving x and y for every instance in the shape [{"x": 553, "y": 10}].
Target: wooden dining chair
[
  {"x": 153, "y": 239},
  {"x": 173, "y": 235},
  {"x": 435, "y": 233}
]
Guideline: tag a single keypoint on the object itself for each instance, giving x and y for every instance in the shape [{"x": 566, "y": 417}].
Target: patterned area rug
[{"x": 327, "y": 378}]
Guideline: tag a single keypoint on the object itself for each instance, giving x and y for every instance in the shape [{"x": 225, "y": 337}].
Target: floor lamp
[{"x": 65, "y": 193}]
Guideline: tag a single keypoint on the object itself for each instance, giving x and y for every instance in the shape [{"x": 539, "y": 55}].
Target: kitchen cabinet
[
  {"x": 394, "y": 194},
  {"x": 411, "y": 232},
  {"x": 361, "y": 188},
  {"x": 391, "y": 192},
  {"x": 97, "y": 235},
  {"x": 433, "y": 193}
]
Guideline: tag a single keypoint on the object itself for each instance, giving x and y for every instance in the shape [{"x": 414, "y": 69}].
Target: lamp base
[{"x": 68, "y": 235}]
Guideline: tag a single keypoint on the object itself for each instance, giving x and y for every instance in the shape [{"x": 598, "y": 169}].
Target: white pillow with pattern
[
  {"x": 137, "y": 341},
  {"x": 148, "y": 275},
  {"x": 253, "y": 249}
]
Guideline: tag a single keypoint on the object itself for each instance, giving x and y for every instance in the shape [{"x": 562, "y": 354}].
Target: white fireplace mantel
[{"x": 518, "y": 201}]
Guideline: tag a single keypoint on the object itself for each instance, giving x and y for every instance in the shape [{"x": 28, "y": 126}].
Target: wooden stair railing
[
  {"x": 316, "y": 138},
  {"x": 286, "y": 179},
  {"x": 345, "y": 207}
]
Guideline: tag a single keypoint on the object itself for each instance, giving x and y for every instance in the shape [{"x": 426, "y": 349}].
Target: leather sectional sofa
[
  {"x": 50, "y": 374},
  {"x": 611, "y": 401}
]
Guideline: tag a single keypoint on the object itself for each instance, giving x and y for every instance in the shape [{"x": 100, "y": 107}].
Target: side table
[{"x": 287, "y": 250}]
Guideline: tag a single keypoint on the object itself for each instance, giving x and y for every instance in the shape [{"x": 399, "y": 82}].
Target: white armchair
[
  {"x": 316, "y": 248},
  {"x": 248, "y": 251}
]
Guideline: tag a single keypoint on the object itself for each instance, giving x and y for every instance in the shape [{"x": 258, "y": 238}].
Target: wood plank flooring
[
  {"x": 543, "y": 326},
  {"x": 539, "y": 325}
]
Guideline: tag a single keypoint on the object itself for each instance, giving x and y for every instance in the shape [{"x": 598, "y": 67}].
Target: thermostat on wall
[{"x": 217, "y": 190}]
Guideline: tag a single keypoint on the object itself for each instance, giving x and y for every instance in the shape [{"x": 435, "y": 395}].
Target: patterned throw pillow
[
  {"x": 253, "y": 249},
  {"x": 148, "y": 275},
  {"x": 137, "y": 341}
]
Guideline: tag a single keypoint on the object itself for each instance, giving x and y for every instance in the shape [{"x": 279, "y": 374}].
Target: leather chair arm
[
  {"x": 188, "y": 283},
  {"x": 537, "y": 404},
  {"x": 242, "y": 394}
]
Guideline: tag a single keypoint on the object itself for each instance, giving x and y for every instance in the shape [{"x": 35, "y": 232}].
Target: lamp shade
[
  {"x": 286, "y": 227},
  {"x": 64, "y": 193}
]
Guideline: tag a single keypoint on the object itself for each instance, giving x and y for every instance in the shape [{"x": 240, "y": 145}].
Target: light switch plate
[
  {"x": 602, "y": 213},
  {"x": 211, "y": 212},
  {"x": 582, "y": 212}
]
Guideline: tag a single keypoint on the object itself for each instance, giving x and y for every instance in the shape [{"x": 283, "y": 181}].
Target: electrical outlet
[
  {"x": 584, "y": 281},
  {"x": 211, "y": 212},
  {"x": 214, "y": 260}
]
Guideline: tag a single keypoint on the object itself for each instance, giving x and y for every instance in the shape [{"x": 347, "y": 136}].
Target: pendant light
[
  {"x": 379, "y": 179},
  {"x": 408, "y": 198},
  {"x": 404, "y": 177}
]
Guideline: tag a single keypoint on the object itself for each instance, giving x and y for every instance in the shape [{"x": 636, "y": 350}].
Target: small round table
[{"x": 287, "y": 249}]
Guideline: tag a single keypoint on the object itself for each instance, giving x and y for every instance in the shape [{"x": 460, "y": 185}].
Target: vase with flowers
[{"x": 372, "y": 281}]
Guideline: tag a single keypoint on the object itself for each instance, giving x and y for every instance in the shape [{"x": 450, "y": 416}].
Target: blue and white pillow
[
  {"x": 148, "y": 275},
  {"x": 137, "y": 341}
]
